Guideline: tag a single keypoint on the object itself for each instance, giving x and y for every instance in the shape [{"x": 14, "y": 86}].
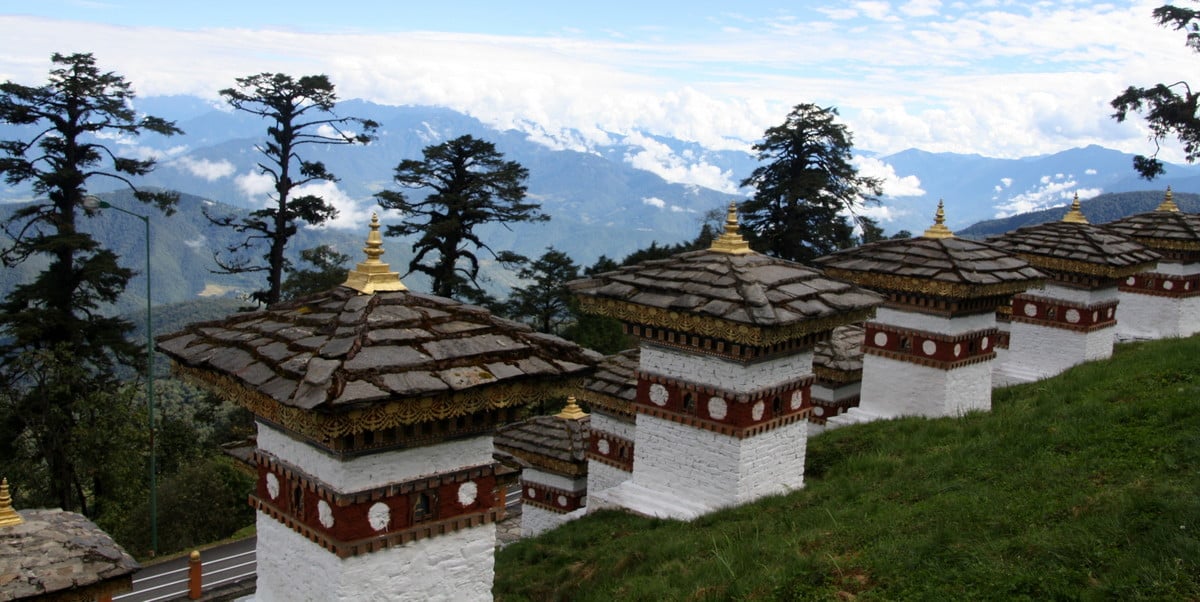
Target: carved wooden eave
[
  {"x": 1086, "y": 268},
  {"x": 932, "y": 288}
]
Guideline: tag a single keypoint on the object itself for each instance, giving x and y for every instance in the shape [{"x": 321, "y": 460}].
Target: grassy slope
[{"x": 1085, "y": 486}]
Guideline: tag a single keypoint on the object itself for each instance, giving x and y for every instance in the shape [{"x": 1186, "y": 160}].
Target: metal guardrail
[{"x": 190, "y": 581}]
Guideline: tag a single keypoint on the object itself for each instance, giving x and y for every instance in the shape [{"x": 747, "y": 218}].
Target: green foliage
[
  {"x": 1170, "y": 109},
  {"x": 470, "y": 185},
  {"x": 545, "y": 303},
  {"x": 330, "y": 272},
  {"x": 58, "y": 351},
  {"x": 806, "y": 184},
  {"x": 300, "y": 114},
  {"x": 1077, "y": 487}
]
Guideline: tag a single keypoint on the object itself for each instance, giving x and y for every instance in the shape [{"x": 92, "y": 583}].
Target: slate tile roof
[
  {"x": 342, "y": 349},
  {"x": 1161, "y": 229},
  {"x": 955, "y": 267},
  {"x": 613, "y": 386},
  {"x": 1079, "y": 248},
  {"x": 749, "y": 289},
  {"x": 548, "y": 442},
  {"x": 56, "y": 553},
  {"x": 842, "y": 352}
]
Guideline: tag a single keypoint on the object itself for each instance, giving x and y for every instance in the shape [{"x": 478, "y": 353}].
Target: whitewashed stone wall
[
  {"x": 535, "y": 520},
  {"x": 715, "y": 470},
  {"x": 456, "y": 566},
  {"x": 1036, "y": 352},
  {"x": 729, "y": 375},
  {"x": 603, "y": 422},
  {"x": 1076, "y": 295},
  {"x": 918, "y": 321},
  {"x": 894, "y": 388},
  {"x": 1150, "y": 317},
  {"x": 378, "y": 469},
  {"x": 541, "y": 477},
  {"x": 601, "y": 476}
]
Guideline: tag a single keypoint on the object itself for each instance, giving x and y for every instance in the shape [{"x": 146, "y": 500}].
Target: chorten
[
  {"x": 552, "y": 451},
  {"x": 610, "y": 393},
  {"x": 1165, "y": 301},
  {"x": 928, "y": 352},
  {"x": 1072, "y": 319},
  {"x": 724, "y": 374},
  {"x": 838, "y": 369},
  {"x": 375, "y": 409}
]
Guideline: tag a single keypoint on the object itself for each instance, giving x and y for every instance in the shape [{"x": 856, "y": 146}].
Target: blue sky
[{"x": 995, "y": 77}]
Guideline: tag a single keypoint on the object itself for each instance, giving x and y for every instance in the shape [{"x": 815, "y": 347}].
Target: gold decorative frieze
[{"x": 926, "y": 286}]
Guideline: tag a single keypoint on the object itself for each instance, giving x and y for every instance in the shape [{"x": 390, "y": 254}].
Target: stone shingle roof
[
  {"x": 613, "y": 386},
  {"x": 747, "y": 298},
  {"x": 1162, "y": 229},
  {"x": 548, "y": 442},
  {"x": 343, "y": 350},
  {"x": 1077, "y": 248},
  {"x": 57, "y": 555},
  {"x": 842, "y": 353},
  {"x": 949, "y": 267}
]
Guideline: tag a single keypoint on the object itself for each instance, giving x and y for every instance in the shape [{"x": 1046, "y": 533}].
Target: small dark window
[
  {"x": 689, "y": 402},
  {"x": 298, "y": 501},
  {"x": 905, "y": 344},
  {"x": 621, "y": 452},
  {"x": 424, "y": 507},
  {"x": 776, "y": 406},
  {"x": 1052, "y": 313}
]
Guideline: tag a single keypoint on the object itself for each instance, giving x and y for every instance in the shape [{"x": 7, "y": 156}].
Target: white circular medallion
[
  {"x": 880, "y": 339},
  {"x": 325, "y": 514},
  {"x": 602, "y": 446},
  {"x": 1030, "y": 310},
  {"x": 957, "y": 349},
  {"x": 562, "y": 500},
  {"x": 983, "y": 343},
  {"x": 1073, "y": 316},
  {"x": 757, "y": 411},
  {"x": 1130, "y": 281},
  {"x": 379, "y": 515},
  {"x": 532, "y": 493},
  {"x": 818, "y": 410},
  {"x": 929, "y": 347},
  {"x": 658, "y": 395},
  {"x": 1187, "y": 286},
  {"x": 1110, "y": 312},
  {"x": 467, "y": 493},
  {"x": 1168, "y": 285},
  {"x": 1095, "y": 316},
  {"x": 797, "y": 400},
  {"x": 717, "y": 408},
  {"x": 272, "y": 485}
]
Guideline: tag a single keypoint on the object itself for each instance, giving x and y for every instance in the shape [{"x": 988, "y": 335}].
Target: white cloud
[
  {"x": 255, "y": 186},
  {"x": 893, "y": 185},
  {"x": 921, "y": 8},
  {"x": 204, "y": 168},
  {"x": 658, "y": 158},
  {"x": 1089, "y": 171},
  {"x": 1052, "y": 193},
  {"x": 654, "y": 202}
]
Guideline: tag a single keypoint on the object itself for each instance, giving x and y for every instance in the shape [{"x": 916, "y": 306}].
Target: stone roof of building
[
  {"x": 552, "y": 443},
  {"x": 613, "y": 386},
  {"x": 728, "y": 292},
  {"x": 1077, "y": 247},
  {"x": 936, "y": 263},
  {"x": 342, "y": 349},
  {"x": 58, "y": 555},
  {"x": 1166, "y": 228},
  {"x": 842, "y": 352}
]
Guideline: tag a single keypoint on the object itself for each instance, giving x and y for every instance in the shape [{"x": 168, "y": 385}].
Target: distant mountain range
[
  {"x": 1100, "y": 210},
  {"x": 607, "y": 193}
]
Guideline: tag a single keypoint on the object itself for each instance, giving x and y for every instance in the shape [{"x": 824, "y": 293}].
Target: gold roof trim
[
  {"x": 571, "y": 411},
  {"x": 735, "y": 332},
  {"x": 934, "y": 288},
  {"x": 1075, "y": 216},
  {"x": 939, "y": 229},
  {"x": 730, "y": 241},
  {"x": 1085, "y": 268},
  {"x": 373, "y": 275},
  {"x": 325, "y": 427},
  {"x": 1168, "y": 203},
  {"x": 8, "y": 516}
]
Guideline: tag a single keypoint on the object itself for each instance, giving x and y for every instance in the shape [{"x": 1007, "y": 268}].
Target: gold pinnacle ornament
[
  {"x": 1075, "y": 216},
  {"x": 731, "y": 241},
  {"x": 373, "y": 275},
  {"x": 8, "y": 516},
  {"x": 939, "y": 229},
  {"x": 1168, "y": 203},
  {"x": 571, "y": 411}
]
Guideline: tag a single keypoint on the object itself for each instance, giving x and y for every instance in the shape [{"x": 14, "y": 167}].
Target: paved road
[{"x": 168, "y": 580}]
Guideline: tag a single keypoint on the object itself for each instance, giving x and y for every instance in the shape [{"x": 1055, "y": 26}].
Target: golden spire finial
[
  {"x": 731, "y": 241},
  {"x": 1075, "y": 216},
  {"x": 571, "y": 411},
  {"x": 373, "y": 275},
  {"x": 1168, "y": 203},
  {"x": 8, "y": 516},
  {"x": 939, "y": 229}
]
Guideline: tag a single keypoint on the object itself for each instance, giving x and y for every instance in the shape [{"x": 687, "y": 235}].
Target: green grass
[{"x": 1081, "y": 487}]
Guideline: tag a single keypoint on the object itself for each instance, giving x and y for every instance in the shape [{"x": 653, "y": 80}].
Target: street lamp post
[{"x": 91, "y": 203}]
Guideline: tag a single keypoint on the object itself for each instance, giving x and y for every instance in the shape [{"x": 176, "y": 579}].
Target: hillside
[
  {"x": 1078, "y": 487},
  {"x": 1101, "y": 209}
]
